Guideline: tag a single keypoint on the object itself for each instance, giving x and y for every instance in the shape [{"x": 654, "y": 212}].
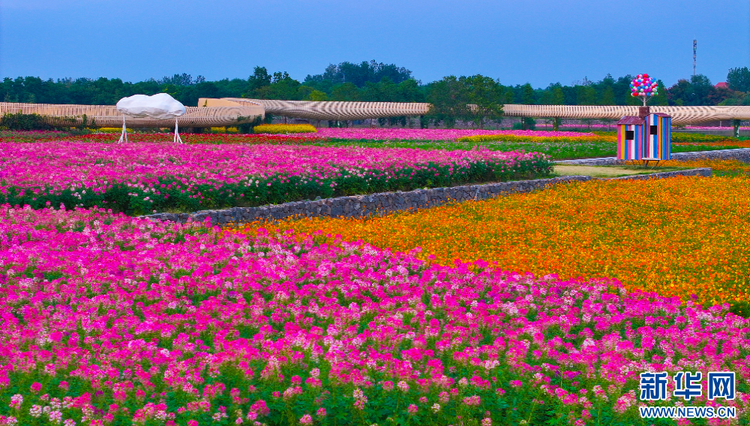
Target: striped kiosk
[
  {"x": 630, "y": 138},
  {"x": 658, "y": 140}
]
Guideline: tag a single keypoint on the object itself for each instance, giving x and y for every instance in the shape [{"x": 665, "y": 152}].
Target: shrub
[
  {"x": 284, "y": 128},
  {"x": 21, "y": 121},
  {"x": 700, "y": 137}
]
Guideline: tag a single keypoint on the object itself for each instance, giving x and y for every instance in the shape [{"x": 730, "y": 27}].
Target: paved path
[{"x": 741, "y": 154}]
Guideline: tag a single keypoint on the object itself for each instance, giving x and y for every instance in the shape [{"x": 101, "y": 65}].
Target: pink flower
[
  {"x": 472, "y": 400},
  {"x": 36, "y": 387},
  {"x": 16, "y": 401},
  {"x": 306, "y": 419},
  {"x": 321, "y": 412},
  {"x": 412, "y": 409}
]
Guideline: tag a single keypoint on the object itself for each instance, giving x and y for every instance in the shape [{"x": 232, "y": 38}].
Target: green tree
[
  {"x": 410, "y": 91},
  {"x": 527, "y": 95},
  {"x": 608, "y": 96},
  {"x": 317, "y": 95},
  {"x": 449, "y": 101},
  {"x": 739, "y": 79},
  {"x": 660, "y": 99},
  {"x": 697, "y": 91},
  {"x": 586, "y": 95},
  {"x": 257, "y": 83},
  {"x": 484, "y": 96},
  {"x": 345, "y": 92},
  {"x": 558, "y": 96},
  {"x": 358, "y": 74}
]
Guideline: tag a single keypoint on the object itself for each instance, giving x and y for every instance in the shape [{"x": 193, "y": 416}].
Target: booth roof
[{"x": 629, "y": 119}]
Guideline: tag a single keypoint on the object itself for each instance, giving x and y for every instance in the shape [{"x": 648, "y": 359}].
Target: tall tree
[
  {"x": 358, "y": 74},
  {"x": 739, "y": 79},
  {"x": 449, "y": 101},
  {"x": 694, "y": 92},
  {"x": 485, "y": 97}
]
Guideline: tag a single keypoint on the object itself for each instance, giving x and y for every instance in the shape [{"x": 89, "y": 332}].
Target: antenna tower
[{"x": 695, "y": 51}]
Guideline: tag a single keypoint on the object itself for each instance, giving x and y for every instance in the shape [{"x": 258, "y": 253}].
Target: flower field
[
  {"x": 201, "y": 138},
  {"x": 145, "y": 177},
  {"x": 728, "y": 144},
  {"x": 555, "y": 145},
  {"x": 686, "y": 237},
  {"x": 736, "y": 166},
  {"x": 284, "y": 128},
  {"x": 379, "y": 134},
  {"x": 117, "y": 320},
  {"x": 566, "y": 137},
  {"x": 532, "y": 309}
]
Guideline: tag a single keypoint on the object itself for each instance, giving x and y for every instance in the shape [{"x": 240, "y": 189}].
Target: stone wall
[{"x": 388, "y": 202}]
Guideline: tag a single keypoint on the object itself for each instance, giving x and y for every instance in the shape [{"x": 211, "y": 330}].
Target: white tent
[{"x": 160, "y": 106}]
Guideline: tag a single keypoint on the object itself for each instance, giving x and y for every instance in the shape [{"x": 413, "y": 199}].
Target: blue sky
[{"x": 535, "y": 41}]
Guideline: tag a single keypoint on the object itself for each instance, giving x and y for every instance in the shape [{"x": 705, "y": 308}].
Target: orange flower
[{"x": 687, "y": 237}]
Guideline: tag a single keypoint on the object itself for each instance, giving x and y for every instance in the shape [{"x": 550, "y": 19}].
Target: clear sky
[{"x": 535, "y": 41}]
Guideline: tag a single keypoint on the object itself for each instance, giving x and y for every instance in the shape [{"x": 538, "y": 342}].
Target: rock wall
[{"x": 388, "y": 202}]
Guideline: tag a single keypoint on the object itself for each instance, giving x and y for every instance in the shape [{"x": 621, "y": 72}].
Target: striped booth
[
  {"x": 630, "y": 138},
  {"x": 658, "y": 139}
]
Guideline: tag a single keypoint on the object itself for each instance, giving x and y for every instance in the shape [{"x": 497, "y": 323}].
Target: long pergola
[
  {"x": 227, "y": 114},
  {"x": 233, "y": 111},
  {"x": 334, "y": 110}
]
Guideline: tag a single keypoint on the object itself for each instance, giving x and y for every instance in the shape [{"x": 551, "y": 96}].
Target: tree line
[{"x": 379, "y": 82}]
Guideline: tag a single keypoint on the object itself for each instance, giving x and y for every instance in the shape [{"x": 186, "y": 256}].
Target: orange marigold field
[
  {"x": 728, "y": 142},
  {"x": 718, "y": 165},
  {"x": 686, "y": 236}
]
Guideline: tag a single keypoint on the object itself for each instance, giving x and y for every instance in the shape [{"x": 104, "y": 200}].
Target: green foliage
[
  {"x": 739, "y": 79},
  {"x": 317, "y": 95},
  {"x": 484, "y": 98},
  {"x": 526, "y": 123},
  {"x": 449, "y": 101},
  {"x": 527, "y": 95},
  {"x": 699, "y": 138},
  {"x": 358, "y": 74},
  {"x": 475, "y": 98},
  {"x": 377, "y": 82},
  {"x": 277, "y": 189},
  {"x": 20, "y": 121},
  {"x": 345, "y": 92},
  {"x": 695, "y": 92}
]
